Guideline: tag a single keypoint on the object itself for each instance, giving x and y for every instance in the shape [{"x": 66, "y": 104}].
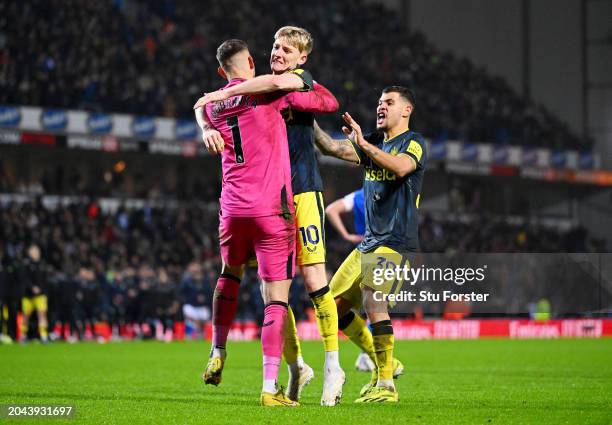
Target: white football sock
[{"x": 269, "y": 386}]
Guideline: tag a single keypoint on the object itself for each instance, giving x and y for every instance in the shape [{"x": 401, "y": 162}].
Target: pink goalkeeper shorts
[{"x": 271, "y": 238}]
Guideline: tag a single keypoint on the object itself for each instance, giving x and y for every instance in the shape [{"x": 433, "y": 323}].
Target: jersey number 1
[{"x": 232, "y": 123}]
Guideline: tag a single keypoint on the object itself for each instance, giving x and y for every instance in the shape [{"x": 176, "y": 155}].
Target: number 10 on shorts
[{"x": 310, "y": 235}]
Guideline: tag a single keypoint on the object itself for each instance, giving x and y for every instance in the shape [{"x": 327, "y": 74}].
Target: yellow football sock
[
  {"x": 382, "y": 333},
  {"x": 292, "y": 349},
  {"x": 354, "y": 327},
  {"x": 43, "y": 331},
  {"x": 327, "y": 317}
]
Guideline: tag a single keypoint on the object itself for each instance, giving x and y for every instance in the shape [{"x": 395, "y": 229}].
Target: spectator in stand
[
  {"x": 66, "y": 288},
  {"x": 15, "y": 287},
  {"x": 144, "y": 266},
  {"x": 133, "y": 302},
  {"x": 113, "y": 302},
  {"x": 89, "y": 302},
  {"x": 167, "y": 304},
  {"x": 197, "y": 295},
  {"x": 149, "y": 60},
  {"x": 147, "y": 300}
]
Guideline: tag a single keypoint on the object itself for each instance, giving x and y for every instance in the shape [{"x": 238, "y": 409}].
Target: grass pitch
[{"x": 478, "y": 381}]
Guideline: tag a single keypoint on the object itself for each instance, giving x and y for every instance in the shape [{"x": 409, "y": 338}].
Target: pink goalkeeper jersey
[{"x": 255, "y": 161}]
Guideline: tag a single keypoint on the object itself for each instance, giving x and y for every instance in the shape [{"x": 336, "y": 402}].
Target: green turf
[{"x": 481, "y": 381}]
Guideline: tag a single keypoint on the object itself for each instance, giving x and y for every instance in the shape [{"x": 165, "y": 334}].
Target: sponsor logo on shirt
[{"x": 378, "y": 175}]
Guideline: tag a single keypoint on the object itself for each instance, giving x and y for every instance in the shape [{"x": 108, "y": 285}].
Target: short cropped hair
[
  {"x": 404, "y": 92},
  {"x": 297, "y": 37},
  {"x": 227, "y": 50}
]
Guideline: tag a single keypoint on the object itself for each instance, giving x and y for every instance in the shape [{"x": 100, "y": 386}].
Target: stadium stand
[
  {"x": 136, "y": 267},
  {"x": 156, "y": 58}
]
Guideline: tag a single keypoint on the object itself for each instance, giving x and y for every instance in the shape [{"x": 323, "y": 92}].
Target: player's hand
[
  {"x": 213, "y": 142},
  {"x": 353, "y": 238},
  {"x": 214, "y": 96},
  {"x": 353, "y": 131},
  {"x": 350, "y": 134}
]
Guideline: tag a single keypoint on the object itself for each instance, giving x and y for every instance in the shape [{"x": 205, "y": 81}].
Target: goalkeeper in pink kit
[{"x": 257, "y": 212}]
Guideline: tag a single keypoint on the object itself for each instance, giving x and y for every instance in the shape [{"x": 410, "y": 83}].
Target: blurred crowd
[
  {"x": 486, "y": 234},
  {"x": 143, "y": 270},
  {"x": 78, "y": 176},
  {"x": 157, "y": 57}
]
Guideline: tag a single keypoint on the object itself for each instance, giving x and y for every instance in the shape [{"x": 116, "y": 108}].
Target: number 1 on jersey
[{"x": 232, "y": 123}]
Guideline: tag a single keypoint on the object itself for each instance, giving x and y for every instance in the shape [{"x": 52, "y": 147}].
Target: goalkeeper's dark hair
[
  {"x": 404, "y": 92},
  {"x": 227, "y": 50}
]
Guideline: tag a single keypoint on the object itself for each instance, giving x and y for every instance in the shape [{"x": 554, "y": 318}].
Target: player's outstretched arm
[
  {"x": 318, "y": 101},
  {"x": 263, "y": 84},
  {"x": 268, "y": 83},
  {"x": 400, "y": 165},
  {"x": 333, "y": 212},
  {"x": 342, "y": 149},
  {"x": 212, "y": 138}
]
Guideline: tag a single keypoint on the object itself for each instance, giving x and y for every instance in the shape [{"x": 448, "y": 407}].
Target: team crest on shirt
[{"x": 394, "y": 151}]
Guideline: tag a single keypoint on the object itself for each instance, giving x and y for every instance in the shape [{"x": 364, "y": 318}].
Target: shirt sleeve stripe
[
  {"x": 411, "y": 155},
  {"x": 356, "y": 152}
]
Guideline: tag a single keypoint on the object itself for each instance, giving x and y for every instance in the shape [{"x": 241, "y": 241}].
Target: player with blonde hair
[{"x": 289, "y": 52}]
